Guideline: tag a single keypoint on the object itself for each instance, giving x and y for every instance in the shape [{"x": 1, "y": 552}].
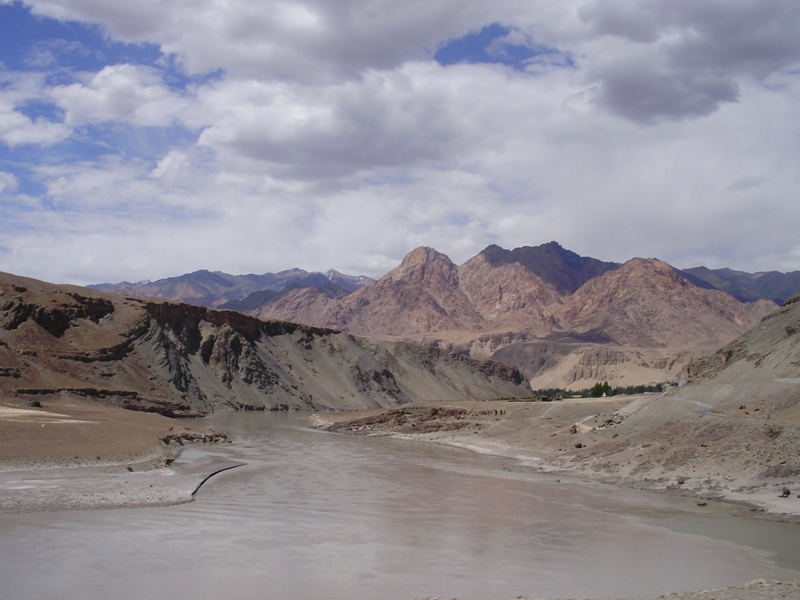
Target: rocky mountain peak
[
  {"x": 423, "y": 255},
  {"x": 563, "y": 269},
  {"x": 425, "y": 266}
]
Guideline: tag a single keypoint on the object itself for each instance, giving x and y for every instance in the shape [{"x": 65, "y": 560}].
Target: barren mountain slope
[
  {"x": 182, "y": 360},
  {"x": 560, "y": 268},
  {"x": 420, "y": 296},
  {"x": 733, "y": 430},
  {"x": 770, "y": 285},
  {"x": 306, "y": 305},
  {"x": 647, "y": 304},
  {"x": 638, "y": 323},
  {"x": 565, "y": 320},
  {"x": 763, "y": 366},
  {"x": 508, "y": 295},
  {"x": 576, "y": 365}
]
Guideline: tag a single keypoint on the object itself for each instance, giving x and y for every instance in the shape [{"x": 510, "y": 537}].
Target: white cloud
[
  {"x": 17, "y": 128},
  {"x": 175, "y": 166},
  {"x": 388, "y": 119},
  {"x": 304, "y": 40},
  {"x": 329, "y": 138},
  {"x": 8, "y": 183},
  {"x": 123, "y": 92}
]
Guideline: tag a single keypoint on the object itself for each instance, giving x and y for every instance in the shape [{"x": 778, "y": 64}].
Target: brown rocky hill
[
  {"x": 732, "y": 429},
  {"x": 762, "y": 363},
  {"x": 179, "y": 359},
  {"x": 638, "y": 324},
  {"x": 563, "y": 269},
  {"x": 509, "y": 296},
  {"x": 648, "y": 304},
  {"x": 420, "y": 296},
  {"x": 630, "y": 324}
]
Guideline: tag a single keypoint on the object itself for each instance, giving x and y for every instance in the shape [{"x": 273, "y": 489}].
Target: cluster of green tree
[{"x": 598, "y": 390}]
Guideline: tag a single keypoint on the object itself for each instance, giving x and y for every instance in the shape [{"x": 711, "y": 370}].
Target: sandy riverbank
[
  {"x": 73, "y": 454},
  {"x": 759, "y": 589},
  {"x": 680, "y": 450}
]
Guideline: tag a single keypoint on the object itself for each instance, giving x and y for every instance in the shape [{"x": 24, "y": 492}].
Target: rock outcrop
[{"x": 184, "y": 360}]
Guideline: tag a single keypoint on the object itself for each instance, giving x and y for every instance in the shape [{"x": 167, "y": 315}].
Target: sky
[{"x": 141, "y": 140}]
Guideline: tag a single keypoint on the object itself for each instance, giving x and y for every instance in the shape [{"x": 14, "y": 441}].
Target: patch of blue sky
[
  {"x": 32, "y": 43},
  {"x": 18, "y": 165},
  {"x": 91, "y": 144},
  {"x": 36, "y": 109},
  {"x": 499, "y": 44},
  {"x": 115, "y": 138}
]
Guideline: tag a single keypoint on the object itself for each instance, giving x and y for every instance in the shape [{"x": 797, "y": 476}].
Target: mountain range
[
  {"x": 176, "y": 359},
  {"x": 564, "y": 320},
  {"x": 563, "y": 269},
  {"x": 215, "y": 288}
]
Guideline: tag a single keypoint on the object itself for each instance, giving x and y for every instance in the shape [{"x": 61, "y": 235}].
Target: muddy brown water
[{"x": 322, "y": 516}]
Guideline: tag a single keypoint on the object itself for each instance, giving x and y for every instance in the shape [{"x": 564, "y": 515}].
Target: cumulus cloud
[
  {"x": 16, "y": 127},
  {"x": 124, "y": 92},
  {"x": 276, "y": 133},
  {"x": 666, "y": 59},
  {"x": 306, "y": 40},
  {"x": 175, "y": 166},
  {"x": 392, "y": 119}
]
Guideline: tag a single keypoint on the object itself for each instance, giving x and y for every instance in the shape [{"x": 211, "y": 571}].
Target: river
[{"x": 315, "y": 515}]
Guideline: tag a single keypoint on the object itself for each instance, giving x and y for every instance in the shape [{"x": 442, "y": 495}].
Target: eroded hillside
[{"x": 183, "y": 360}]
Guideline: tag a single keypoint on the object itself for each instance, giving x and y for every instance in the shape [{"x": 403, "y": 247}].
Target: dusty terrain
[
  {"x": 731, "y": 434},
  {"x": 72, "y": 453},
  {"x": 83, "y": 374}
]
